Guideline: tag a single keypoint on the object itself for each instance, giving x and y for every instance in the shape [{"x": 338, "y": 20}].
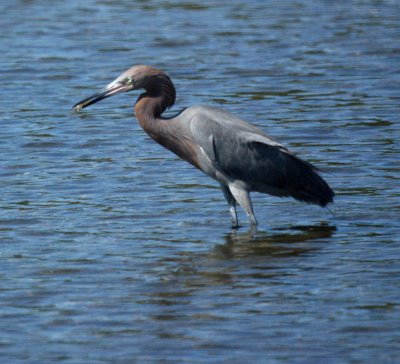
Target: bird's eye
[{"x": 129, "y": 80}]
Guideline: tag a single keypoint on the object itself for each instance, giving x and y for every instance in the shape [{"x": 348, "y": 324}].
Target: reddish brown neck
[
  {"x": 160, "y": 94},
  {"x": 148, "y": 112},
  {"x": 147, "y": 108},
  {"x": 167, "y": 132}
]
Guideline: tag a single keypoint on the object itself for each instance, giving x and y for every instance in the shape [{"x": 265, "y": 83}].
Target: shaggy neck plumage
[{"x": 160, "y": 94}]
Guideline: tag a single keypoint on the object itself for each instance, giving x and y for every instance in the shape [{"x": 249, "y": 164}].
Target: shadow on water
[
  {"x": 292, "y": 241},
  {"x": 249, "y": 254},
  {"x": 249, "y": 259}
]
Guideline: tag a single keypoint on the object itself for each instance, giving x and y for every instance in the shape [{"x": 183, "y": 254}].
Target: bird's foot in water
[{"x": 235, "y": 226}]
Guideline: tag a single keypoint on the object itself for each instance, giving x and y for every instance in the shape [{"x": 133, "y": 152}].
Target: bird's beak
[{"x": 112, "y": 89}]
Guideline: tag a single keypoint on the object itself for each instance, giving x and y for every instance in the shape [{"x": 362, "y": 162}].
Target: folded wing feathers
[
  {"x": 242, "y": 151},
  {"x": 298, "y": 177}
]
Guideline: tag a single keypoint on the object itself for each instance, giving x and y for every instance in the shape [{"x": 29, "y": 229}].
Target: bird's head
[{"x": 136, "y": 77}]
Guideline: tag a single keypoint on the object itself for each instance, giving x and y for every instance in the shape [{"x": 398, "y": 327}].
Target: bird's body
[{"x": 240, "y": 156}]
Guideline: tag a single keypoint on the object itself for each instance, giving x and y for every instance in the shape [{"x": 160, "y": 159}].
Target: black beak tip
[{"x": 77, "y": 107}]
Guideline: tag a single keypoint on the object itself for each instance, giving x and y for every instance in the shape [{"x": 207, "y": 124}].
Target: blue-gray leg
[
  {"x": 232, "y": 204},
  {"x": 243, "y": 198}
]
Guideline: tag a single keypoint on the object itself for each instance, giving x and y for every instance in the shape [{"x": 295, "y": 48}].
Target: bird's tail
[{"x": 309, "y": 186}]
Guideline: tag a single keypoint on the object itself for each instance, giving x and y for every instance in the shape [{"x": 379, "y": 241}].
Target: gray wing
[{"x": 244, "y": 153}]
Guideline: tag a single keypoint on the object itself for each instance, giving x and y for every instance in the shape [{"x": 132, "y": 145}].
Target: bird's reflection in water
[{"x": 282, "y": 242}]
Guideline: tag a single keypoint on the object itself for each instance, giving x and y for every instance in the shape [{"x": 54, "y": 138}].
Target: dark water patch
[
  {"x": 19, "y": 221},
  {"x": 42, "y": 145},
  {"x": 172, "y": 43},
  {"x": 191, "y": 6}
]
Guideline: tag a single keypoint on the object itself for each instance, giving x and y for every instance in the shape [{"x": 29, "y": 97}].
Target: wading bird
[{"x": 241, "y": 157}]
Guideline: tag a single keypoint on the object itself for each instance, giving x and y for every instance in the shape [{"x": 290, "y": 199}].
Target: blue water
[{"x": 115, "y": 251}]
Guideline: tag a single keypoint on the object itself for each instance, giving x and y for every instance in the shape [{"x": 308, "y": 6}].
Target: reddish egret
[{"x": 241, "y": 157}]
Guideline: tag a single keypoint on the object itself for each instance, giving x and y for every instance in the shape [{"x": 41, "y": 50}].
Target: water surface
[{"x": 113, "y": 250}]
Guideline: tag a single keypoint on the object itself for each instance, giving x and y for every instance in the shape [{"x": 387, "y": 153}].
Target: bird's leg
[
  {"x": 232, "y": 205},
  {"x": 243, "y": 198}
]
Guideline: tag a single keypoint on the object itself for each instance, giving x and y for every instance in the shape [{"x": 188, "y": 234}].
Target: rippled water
[{"x": 113, "y": 250}]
